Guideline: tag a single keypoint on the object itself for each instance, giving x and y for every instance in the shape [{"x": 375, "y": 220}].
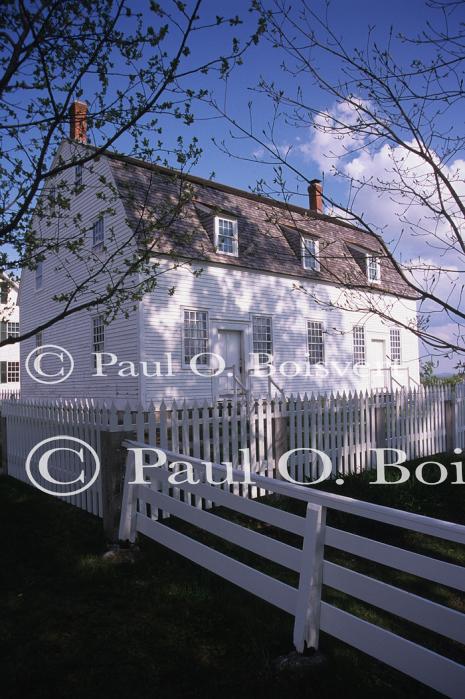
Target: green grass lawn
[{"x": 74, "y": 625}]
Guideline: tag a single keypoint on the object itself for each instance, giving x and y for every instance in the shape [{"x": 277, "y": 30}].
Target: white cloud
[
  {"x": 331, "y": 141},
  {"x": 388, "y": 181}
]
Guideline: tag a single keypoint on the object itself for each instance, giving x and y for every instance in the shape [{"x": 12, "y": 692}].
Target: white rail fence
[
  {"x": 421, "y": 422},
  {"x": 142, "y": 505}
]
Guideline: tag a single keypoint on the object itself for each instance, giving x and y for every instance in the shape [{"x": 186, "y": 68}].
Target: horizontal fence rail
[{"x": 143, "y": 507}]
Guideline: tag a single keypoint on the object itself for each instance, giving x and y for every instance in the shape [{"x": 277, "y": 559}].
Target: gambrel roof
[{"x": 270, "y": 231}]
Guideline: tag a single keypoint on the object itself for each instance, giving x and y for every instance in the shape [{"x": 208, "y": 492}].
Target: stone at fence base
[
  {"x": 299, "y": 664},
  {"x": 122, "y": 554}
]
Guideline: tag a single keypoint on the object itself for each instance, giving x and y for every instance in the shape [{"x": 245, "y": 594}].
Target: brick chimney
[
  {"x": 78, "y": 122},
  {"x": 315, "y": 196}
]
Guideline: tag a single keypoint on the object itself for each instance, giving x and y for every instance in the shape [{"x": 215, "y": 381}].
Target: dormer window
[
  {"x": 373, "y": 268},
  {"x": 78, "y": 175},
  {"x": 226, "y": 238},
  {"x": 310, "y": 253}
]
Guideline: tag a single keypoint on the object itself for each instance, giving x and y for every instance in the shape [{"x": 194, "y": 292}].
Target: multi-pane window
[
  {"x": 39, "y": 340},
  {"x": 226, "y": 236},
  {"x": 195, "y": 336},
  {"x": 4, "y": 289},
  {"x": 9, "y": 372},
  {"x": 310, "y": 249},
  {"x": 395, "y": 345},
  {"x": 39, "y": 275},
  {"x": 359, "y": 344},
  {"x": 78, "y": 175},
  {"x": 315, "y": 340},
  {"x": 8, "y": 329},
  {"x": 98, "y": 232},
  {"x": 373, "y": 268},
  {"x": 98, "y": 336},
  {"x": 262, "y": 338},
  {"x": 12, "y": 374}
]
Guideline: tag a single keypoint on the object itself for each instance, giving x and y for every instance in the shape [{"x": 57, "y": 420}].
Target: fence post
[
  {"x": 280, "y": 438},
  {"x": 449, "y": 417},
  {"x": 307, "y": 615},
  {"x": 113, "y": 457},
  {"x": 380, "y": 424}
]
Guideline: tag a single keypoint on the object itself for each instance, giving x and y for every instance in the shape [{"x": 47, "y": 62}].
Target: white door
[
  {"x": 230, "y": 349},
  {"x": 378, "y": 373}
]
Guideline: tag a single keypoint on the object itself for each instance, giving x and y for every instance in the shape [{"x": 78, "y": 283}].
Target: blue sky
[{"x": 351, "y": 21}]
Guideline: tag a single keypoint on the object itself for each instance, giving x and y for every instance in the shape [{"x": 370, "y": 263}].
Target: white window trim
[
  {"x": 323, "y": 333},
  {"x": 92, "y": 329},
  {"x": 395, "y": 364},
  {"x": 368, "y": 257},
  {"x": 262, "y": 315},
  {"x": 78, "y": 169},
  {"x": 203, "y": 367},
  {"x": 40, "y": 286},
  {"x": 303, "y": 248},
  {"x": 235, "y": 252},
  {"x": 99, "y": 245},
  {"x": 364, "y": 363}
]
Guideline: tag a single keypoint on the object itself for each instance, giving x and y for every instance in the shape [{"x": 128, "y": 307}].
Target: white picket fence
[
  {"x": 345, "y": 427},
  {"x": 142, "y": 505}
]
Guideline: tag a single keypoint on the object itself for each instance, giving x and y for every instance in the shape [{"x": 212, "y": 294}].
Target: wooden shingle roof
[{"x": 270, "y": 231}]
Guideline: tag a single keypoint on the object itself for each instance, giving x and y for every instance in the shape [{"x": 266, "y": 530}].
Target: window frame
[
  {"x": 5, "y": 288},
  {"x": 313, "y": 257},
  {"x": 98, "y": 244},
  {"x": 39, "y": 341},
  {"x": 262, "y": 316},
  {"x": 7, "y": 369},
  {"x": 97, "y": 318},
  {"x": 12, "y": 371},
  {"x": 39, "y": 275},
  {"x": 355, "y": 330},
  {"x": 9, "y": 332},
  {"x": 78, "y": 174},
  {"x": 398, "y": 346},
  {"x": 234, "y": 237},
  {"x": 370, "y": 257},
  {"x": 323, "y": 348},
  {"x": 206, "y": 338}
]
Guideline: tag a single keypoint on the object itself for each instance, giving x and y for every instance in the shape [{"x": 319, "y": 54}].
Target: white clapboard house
[
  {"x": 9, "y": 328},
  {"x": 239, "y": 276}
]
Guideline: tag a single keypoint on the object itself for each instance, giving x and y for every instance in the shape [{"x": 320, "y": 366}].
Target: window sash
[
  {"x": 315, "y": 342},
  {"x": 98, "y": 232},
  {"x": 98, "y": 336},
  {"x": 10, "y": 329},
  {"x": 4, "y": 291},
  {"x": 394, "y": 334},
  {"x": 195, "y": 336},
  {"x": 9, "y": 372},
  {"x": 78, "y": 175},
  {"x": 226, "y": 236},
  {"x": 12, "y": 370},
  {"x": 39, "y": 339},
  {"x": 39, "y": 275},
  {"x": 262, "y": 340},
  {"x": 359, "y": 344},
  {"x": 310, "y": 249},
  {"x": 373, "y": 268}
]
